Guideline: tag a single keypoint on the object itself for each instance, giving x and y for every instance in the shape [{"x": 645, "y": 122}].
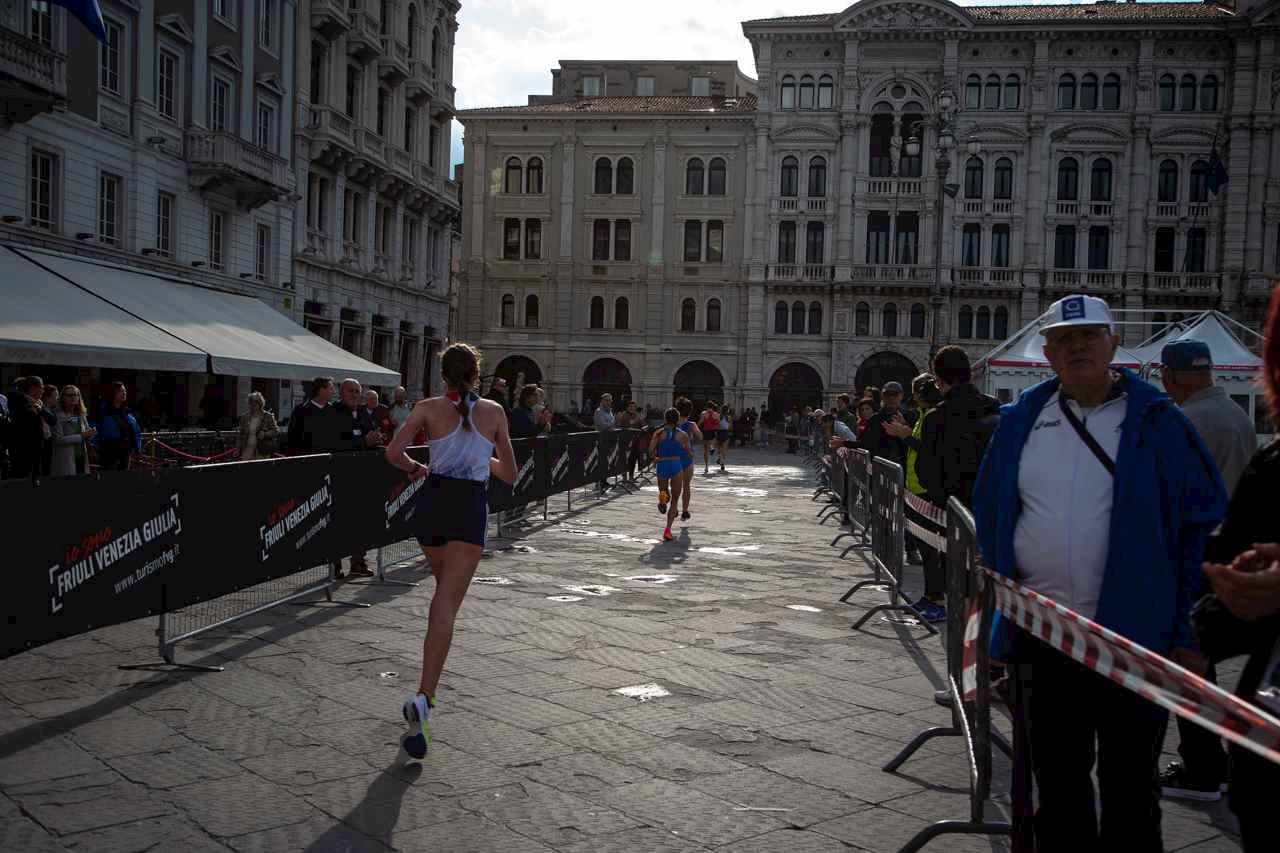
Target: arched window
[
  {"x": 413, "y": 31},
  {"x": 1100, "y": 180},
  {"x": 780, "y": 318},
  {"x": 862, "y": 319},
  {"x": 621, "y": 313},
  {"x": 1012, "y": 90},
  {"x": 688, "y": 315},
  {"x": 716, "y": 176},
  {"x": 1067, "y": 92},
  {"x": 693, "y": 177},
  {"x": 597, "y": 312},
  {"x": 917, "y": 320},
  {"x": 797, "y": 318},
  {"x": 510, "y": 239},
  {"x": 1209, "y": 93},
  {"x": 788, "y": 93},
  {"x": 817, "y": 177},
  {"x": 826, "y": 92},
  {"x": 1168, "y": 92},
  {"x": 511, "y": 183},
  {"x": 815, "y": 318},
  {"x": 973, "y": 178},
  {"x": 435, "y": 49},
  {"x": 1111, "y": 92},
  {"x": 973, "y": 92},
  {"x": 713, "y": 315},
  {"x": 1000, "y": 328},
  {"x": 1089, "y": 92},
  {"x": 1004, "y": 179},
  {"x": 626, "y": 177},
  {"x": 983, "y": 330},
  {"x": 889, "y": 320},
  {"x": 533, "y": 239},
  {"x": 508, "y": 310},
  {"x": 531, "y": 312},
  {"x": 790, "y": 183},
  {"x": 534, "y": 176},
  {"x": 966, "y": 323},
  {"x": 1187, "y": 93},
  {"x": 806, "y": 92},
  {"x": 1167, "y": 182},
  {"x": 991, "y": 93},
  {"x": 1068, "y": 179},
  {"x": 1199, "y": 182},
  {"x": 604, "y": 176}
]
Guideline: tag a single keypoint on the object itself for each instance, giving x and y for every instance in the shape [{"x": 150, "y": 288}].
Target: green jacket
[{"x": 913, "y": 450}]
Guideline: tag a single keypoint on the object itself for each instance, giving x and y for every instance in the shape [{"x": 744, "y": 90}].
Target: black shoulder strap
[{"x": 1086, "y": 436}]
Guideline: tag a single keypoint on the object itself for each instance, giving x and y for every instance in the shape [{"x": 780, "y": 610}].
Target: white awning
[
  {"x": 47, "y": 320},
  {"x": 243, "y": 336}
]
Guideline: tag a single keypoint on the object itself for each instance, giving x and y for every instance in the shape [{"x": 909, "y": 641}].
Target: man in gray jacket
[{"x": 1187, "y": 374}]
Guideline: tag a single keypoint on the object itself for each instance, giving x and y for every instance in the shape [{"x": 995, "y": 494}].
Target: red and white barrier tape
[
  {"x": 226, "y": 454},
  {"x": 935, "y": 535},
  {"x": 1128, "y": 664}
]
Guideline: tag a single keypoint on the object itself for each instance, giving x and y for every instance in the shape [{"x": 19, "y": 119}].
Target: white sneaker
[{"x": 417, "y": 713}]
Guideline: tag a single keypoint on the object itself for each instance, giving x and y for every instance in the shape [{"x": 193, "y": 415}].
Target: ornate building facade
[{"x": 783, "y": 239}]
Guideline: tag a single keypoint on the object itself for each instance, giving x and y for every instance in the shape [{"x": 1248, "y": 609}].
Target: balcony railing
[
  {"x": 1002, "y": 206},
  {"x": 1167, "y": 208},
  {"x": 331, "y": 122},
  {"x": 972, "y": 206},
  {"x": 393, "y": 61},
  {"x": 800, "y": 272},
  {"x": 815, "y": 205},
  {"x": 895, "y": 186},
  {"x": 1101, "y": 208},
  {"x": 363, "y": 39},
  {"x": 1197, "y": 210},
  {"x": 997, "y": 276},
  {"x": 1088, "y": 278},
  {"x": 892, "y": 272},
  {"x": 330, "y": 17},
  {"x": 1066, "y": 208},
  {"x": 1186, "y": 281},
  {"x": 422, "y": 80},
  {"x": 786, "y": 205},
  {"x": 228, "y": 152},
  {"x": 33, "y": 64},
  {"x": 317, "y": 242}
]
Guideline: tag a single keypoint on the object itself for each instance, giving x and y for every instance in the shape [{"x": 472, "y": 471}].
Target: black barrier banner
[
  {"x": 584, "y": 452},
  {"x": 555, "y": 474},
  {"x": 252, "y": 522},
  {"x": 86, "y": 552},
  {"x": 531, "y": 455},
  {"x": 613, "y": 459}
]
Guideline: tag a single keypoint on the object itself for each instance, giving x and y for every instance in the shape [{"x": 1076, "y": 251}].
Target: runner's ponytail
[{"x": 460, "y": 367}]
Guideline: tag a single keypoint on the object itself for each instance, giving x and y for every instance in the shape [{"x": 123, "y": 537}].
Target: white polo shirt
[{"x": 1064, "y": 531}]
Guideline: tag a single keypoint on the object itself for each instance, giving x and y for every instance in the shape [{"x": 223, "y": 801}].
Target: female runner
[
  {"x": 463, "y": 432},
  {"x": 709, "y": 423},
  {"x": 669, "y": 448},
  {"x": 685, "y": 408},
  {"x": 723, "y": 435}
]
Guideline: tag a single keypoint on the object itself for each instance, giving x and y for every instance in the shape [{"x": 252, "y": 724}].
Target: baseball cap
[
  {"x": 1079, "y": 310},
  {"x": 891, "y": 388},
  {"x": 1186, "y": 355}
]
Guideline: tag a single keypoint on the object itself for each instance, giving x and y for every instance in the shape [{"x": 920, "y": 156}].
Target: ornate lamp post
[{"x": 941, "y": 123}]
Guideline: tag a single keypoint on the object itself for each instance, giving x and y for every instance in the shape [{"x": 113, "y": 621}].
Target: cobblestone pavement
[{"x": 771, "y": 738}]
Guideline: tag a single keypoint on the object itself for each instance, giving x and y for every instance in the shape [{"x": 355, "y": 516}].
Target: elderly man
[
  {"x": 1097, "y": 492},
  {"x": 352, "y": 428},
  {"x": 605, "y": 420},
  {"x": 400, "y": 409},
  {"x": 1187, "y": 374}
]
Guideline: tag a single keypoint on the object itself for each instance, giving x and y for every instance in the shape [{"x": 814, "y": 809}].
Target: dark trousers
[
  {"x": 1078, "y": 718},
  {"x": 935, "y": 569},
  {"x": 1201, "y": 750}
]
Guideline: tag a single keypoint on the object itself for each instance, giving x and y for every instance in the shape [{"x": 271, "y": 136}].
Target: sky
[{"x": 505, "y": 49}]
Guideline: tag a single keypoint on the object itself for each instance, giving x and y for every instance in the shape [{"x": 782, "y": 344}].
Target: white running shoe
[{"x": 417, "y": 713}]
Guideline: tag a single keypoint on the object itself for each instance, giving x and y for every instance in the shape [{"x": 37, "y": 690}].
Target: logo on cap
[{"x": 1073, "y": 308}]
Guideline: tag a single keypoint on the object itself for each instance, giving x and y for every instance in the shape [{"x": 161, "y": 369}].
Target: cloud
[{"x": 505, "y": 49}]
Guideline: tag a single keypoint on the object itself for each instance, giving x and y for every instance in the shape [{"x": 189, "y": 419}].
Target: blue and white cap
[{"x": 1079, "y": 310}]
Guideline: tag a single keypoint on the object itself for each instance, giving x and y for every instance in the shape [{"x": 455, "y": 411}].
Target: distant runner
[
  {"x": 670, "y": 447},
  {"x": 685, "y": 408}
]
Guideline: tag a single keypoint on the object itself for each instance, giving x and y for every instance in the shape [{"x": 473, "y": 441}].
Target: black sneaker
[{"x": 1177, "y": 783}]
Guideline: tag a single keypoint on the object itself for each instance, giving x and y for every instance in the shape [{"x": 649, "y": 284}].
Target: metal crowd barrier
[{"x": 857, "y": 513}]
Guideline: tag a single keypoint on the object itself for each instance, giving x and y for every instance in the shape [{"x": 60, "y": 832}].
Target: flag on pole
[
  {"x": 89, "y": 13},
  {"x": 1217, "y": 171}
]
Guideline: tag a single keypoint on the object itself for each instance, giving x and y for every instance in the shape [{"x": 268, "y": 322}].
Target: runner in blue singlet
[
  {"x": 669, "y": 448},
  {"x": 685, "y": 408}
]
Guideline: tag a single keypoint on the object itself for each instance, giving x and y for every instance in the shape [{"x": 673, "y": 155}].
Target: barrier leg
[
  {"x": 918, "y": 741},
  {"x": 328, "y": 594},
  {"x": 382, "y": 574},
  {"x": 894, "y": 608},
  {"x": 167, "y": 655},
  {"x": 954, "y": 827}
]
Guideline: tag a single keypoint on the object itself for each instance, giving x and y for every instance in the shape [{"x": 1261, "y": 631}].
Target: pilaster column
[
  {"x": 844, "y": 226},
  {"x": 248, "y": 49}
]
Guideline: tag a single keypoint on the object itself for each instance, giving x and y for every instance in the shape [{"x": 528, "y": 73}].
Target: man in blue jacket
[{"x": 1097, "y": 492}]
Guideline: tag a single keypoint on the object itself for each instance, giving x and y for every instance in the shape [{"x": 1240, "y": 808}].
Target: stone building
[{"x": 1079, "y": 141}]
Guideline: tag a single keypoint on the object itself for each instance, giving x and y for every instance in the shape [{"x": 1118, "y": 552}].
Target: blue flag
[
  {"x": 89, "y": 13},
  {"x": 1217, "y": 171}
]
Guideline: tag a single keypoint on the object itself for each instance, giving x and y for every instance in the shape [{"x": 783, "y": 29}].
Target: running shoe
[
  {"x": 722, "y": 466},
  {"x": 929, "y": 611},
  {"x": 662, "y": 507},
  {"x": 667, "y": 535},
  {"x": 684, "y": 516},
  {"x": 417, "y": 713},
  {"x": 1177, "y": 783}
]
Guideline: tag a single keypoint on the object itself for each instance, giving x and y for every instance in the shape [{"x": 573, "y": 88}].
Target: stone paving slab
[{"x": 771, "y": 736}]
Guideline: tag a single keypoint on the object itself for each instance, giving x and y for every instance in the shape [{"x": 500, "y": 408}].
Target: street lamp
[{"x": 941, "y": 123}]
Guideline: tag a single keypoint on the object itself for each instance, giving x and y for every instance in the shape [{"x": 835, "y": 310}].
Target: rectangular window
[
  {"x": 1196, "y": 245},
  {"x": 878, "y": 238},
  {"x": 644, "y": 87},
  {"x": 600, "y": 240},
  {"x": 700, "y": 87},
  {"x": 318, "y": 56},
  {"x": 41, "y": 22},
  {"x": 410, "y": 128},
  {"x": 44, "y": 190},
  {"x": 511, "y": 240},
  {"x": 715, "y": 241},
  {"x": 591, "y": 87},
  {"x": 1064, "y": 247},
  {"x": 1000, "y": 246},
  {"x": 622, "y": 240},
  {"x": 384, "y": 101},
  {"x": 1164, "y": 249},
  {"x": 385, "y": 215},
  {"x": 262, "y": 253},
  {"x": 907, "y": 238},
  {"x": 220, "y": 105},
  {"x": 267, "y": 23},
  {"x": 217, "y": 238},
  {"x": 167, "y": 86},
  {"x": 353, "y": 91},
  {"x": 108, "y": 208},
  {"x": 533, "y": 239},
  {"x": 109, "y": 59},
  {"x": 971, "y": 246},
  {"x": 164, "y": 225},
  {"x": 693, "y": 240},
  {"x": 786, "y": 242},
  {"x": 1099, "y": 247},
  {"x": 433, "y": 145},
  {"x": 266, "y": 128},
  {"x": 814, "y": 239},
  {"x": 410, "y": 248}
]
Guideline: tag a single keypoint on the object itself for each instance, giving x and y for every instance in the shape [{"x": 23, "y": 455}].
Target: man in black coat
[
  {"x": 305, "y": 430},
  {"x": 956, "y": 432},
  {"x": 26, "y": 429},
  {"x": 878, "y": 441}
]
